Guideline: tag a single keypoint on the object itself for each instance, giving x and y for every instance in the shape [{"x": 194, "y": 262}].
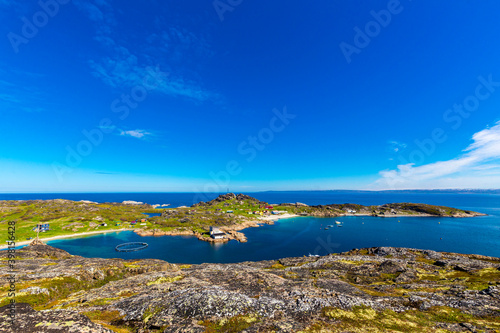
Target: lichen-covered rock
[
  {"x": 28, "y": 320},
  {"x": 285, "y": 295}
]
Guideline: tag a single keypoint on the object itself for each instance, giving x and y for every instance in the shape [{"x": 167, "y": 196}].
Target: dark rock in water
[{"x": 28, "y": 320}]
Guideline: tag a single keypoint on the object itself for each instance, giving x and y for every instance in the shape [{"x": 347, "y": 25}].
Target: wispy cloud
[
  {"x": 166, "y": 47},
  {"x": 16, "y": 96},
  {"x": 477, "y": 166},
  {"x": 137, "y": 133},
  {"x": 396, "y": 146},
  {"x": 95, "y": 10}
]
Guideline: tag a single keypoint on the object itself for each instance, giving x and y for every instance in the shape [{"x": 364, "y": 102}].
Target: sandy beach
[
  {"x": 277, "y": 217},
  {"x": 65, "y": 236},
  {"x": 26, "y": 242}
]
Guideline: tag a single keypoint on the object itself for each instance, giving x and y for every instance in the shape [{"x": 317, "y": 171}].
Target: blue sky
[{"x": 108, "y": 95}]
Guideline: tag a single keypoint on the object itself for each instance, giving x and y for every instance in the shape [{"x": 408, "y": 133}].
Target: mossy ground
[
  {"x": 231, "y": 325},
  {"x": 365, "y": 319},
  {"x": 59, "y": 289}
]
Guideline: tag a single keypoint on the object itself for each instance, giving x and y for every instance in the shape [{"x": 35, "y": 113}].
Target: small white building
[{"x": 216, "y": 233}]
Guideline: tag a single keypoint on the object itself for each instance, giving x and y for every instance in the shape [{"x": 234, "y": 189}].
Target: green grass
[
  {"x": 365, "y": 319},
  {"x": 59, "y": 288},
  {"x": 231, "y": 325},
  {"x": 61, "y": 213},
  {"x": 108, "y": 319}
]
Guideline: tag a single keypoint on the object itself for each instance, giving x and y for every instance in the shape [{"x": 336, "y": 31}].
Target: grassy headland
[{"x": 229, "y": 212}]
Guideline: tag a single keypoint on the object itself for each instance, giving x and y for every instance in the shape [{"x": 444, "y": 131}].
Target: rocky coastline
[{"x": 231, "y": 231}]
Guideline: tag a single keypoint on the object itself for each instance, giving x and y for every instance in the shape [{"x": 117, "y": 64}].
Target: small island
[{"x": 227, "y": 215}]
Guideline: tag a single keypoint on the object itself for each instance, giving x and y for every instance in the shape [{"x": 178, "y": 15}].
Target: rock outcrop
[
  {"x": 227, "y": 197},
  {"x": 28, "y": 320},
  {"x": 385, "y": 288}
]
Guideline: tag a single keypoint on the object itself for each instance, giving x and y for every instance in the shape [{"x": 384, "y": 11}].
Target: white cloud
[
  {"x": 396, "y": 146},
  {"x": 137, "y": 133},
  {"x": 477, "y": 167},
  {"x": 172, "y": 48}
]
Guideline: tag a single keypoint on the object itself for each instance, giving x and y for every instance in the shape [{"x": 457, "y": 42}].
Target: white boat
[{"x": 337, "y": 222}]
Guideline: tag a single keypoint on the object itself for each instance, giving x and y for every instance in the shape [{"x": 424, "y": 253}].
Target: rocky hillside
[
  {"x": 229, "y": 197},
  {"x": 367, "y": 290}
]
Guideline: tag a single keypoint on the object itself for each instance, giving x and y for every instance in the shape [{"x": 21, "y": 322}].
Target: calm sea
[{"x": 304, "y": 235}]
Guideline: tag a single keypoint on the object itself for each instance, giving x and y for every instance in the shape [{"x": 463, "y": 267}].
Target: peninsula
[{"x": 229, "y": 213}]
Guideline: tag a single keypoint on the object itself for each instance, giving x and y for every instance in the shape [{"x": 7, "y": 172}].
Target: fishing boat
[{"x": 337, "y": 222}]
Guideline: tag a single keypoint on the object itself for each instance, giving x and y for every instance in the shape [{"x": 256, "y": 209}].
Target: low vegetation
[{"x": 363, "y": 290}]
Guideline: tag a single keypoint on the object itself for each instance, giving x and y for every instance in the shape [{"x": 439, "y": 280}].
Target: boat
[
  {"x": 337, "y": 222},
  {"x": 327, "y": 228},
  {"x": 330, "y": 226},
  {"x": 313, "y": 255},
  {"x": 339, "y": 225}
]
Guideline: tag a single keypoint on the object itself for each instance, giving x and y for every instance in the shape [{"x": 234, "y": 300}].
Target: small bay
[{"x": 303, "y": 235}]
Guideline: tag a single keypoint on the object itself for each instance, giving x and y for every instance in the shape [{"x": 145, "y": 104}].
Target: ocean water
[{"x": 304, "y": 235}]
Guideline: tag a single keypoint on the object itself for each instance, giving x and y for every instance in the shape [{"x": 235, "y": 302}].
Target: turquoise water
[{"x": 305, "y": 235}]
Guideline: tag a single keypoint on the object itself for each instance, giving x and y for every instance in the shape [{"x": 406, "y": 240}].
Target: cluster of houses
[
  {"x": 42, "y": 227},
  {"x": 267, "y": 212}
]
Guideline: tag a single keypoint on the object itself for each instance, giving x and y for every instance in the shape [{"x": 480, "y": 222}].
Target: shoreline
[
  {"x": 88, "y": 233},
  {"x": 277, "y": 217},
  {"x": 230, "y": 230}
]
